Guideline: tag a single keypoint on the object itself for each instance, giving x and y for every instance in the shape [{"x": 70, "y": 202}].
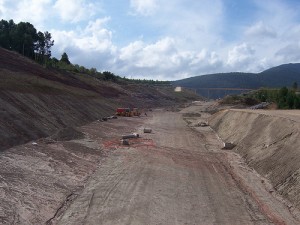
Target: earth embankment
[
  {"x": 269, "y": 142},
  {"x": 27, "y": 116},
  {"x": 36, "y": 102}
]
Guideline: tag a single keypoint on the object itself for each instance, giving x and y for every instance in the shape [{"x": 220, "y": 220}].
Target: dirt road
[{"x": 175, "y": 175}]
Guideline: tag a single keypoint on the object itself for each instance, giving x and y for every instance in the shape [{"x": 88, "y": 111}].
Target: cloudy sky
[{"x": 166, "y": 39}]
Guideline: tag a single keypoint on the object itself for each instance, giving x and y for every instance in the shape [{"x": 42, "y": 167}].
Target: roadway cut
[
  {"x": 177, "y": 174},
  {"x": 269, "y": 141}
]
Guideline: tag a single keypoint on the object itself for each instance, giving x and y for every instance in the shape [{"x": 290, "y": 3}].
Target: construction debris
[
  {"x": 147, "y": 130},
  {"x": 124, "y": 142},
  {"x": 133, "y": 135},
  {"x": 202, "y": 124},
  {"x": 228, "y": 146},
  {"x": 261, "y": 105}
]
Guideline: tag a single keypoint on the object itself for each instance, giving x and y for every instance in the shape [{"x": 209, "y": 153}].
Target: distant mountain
[{"x": 212, "y": 85}]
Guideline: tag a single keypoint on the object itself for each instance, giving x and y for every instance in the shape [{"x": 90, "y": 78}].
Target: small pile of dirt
[{"x": 67, "y": 134}]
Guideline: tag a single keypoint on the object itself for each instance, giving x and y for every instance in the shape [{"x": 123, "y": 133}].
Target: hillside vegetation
[{"x": 276, "y": 77}]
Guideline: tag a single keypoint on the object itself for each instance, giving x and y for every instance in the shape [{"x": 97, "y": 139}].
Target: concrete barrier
[{"x": 147, "y": 130}]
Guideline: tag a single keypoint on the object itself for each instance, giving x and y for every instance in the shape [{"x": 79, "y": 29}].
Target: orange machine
[{"x": 127, "y": 112}]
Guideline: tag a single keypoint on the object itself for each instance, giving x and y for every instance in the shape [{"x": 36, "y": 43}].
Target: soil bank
[{"x": 269, "y": 142}]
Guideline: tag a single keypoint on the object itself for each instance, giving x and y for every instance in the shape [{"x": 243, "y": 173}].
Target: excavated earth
[
  {"x": 61, "y": 164},
  {"x": 269, "y": 141},
  {"x": 178, "y": 174},
  {"x": 36, "y": 102},
  {"x": 46, "y": 153}
]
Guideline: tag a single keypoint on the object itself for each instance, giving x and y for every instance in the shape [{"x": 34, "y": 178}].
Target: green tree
[
  {"x": 296, "y": 102},
  {"x": 23, "y": 39},
  {"x": 65, "y": 58},
  {"x": 109, "y": 76},
  {"x": 295, "y": 86},
  {"x": 43, "y": 46},
  {"x": 93, "y": 71},
  {"x": 5, "y": 29},
  {"x": 48, "y": 44},
  {"x": 290, "y": 99}
]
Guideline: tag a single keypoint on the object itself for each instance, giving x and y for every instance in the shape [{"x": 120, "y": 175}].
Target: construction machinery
[
  {"x": 136, "y": 112},
  {"x": 128, "y": 112}
]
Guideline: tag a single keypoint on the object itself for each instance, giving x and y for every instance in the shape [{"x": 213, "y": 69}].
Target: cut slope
[
  {"x": 35, "y": 102},
  {"x": 268, "y": 142}
]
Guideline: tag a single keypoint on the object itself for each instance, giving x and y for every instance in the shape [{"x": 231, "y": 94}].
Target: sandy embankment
[{"x": 269, "y": 142}]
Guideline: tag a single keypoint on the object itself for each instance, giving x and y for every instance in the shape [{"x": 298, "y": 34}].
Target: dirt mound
[
  {"x": 67, "y": 134},
  {"x": 270, "y": 144}
]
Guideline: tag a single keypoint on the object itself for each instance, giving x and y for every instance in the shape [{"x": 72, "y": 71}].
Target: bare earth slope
[
  {"x": 176, "y": 175},
  {"x": 269, "y": 141},
  {"x": 35, "y": 102}
]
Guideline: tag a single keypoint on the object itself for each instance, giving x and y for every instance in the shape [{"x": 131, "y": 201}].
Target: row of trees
[
  {"x": 25, "y": 39},
  {"x": 285, "y": 98},
  {"x": 65, "y": 64}
]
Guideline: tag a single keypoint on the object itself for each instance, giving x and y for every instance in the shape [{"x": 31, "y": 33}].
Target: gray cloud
[
  {"x": 260, "y": 30},
  {"x": 289, "y": 53}
]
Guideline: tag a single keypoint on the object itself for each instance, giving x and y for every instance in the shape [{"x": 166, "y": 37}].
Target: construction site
[{"x": 83, "y": 151}]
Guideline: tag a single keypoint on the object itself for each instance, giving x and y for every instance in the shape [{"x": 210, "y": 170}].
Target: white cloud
[
  {"x": 165, "y": 59},
  {"x": 2, "y": 8},
  {"x": 34, "y": 11},
  {"x": 165, "y": 39},
  {"x": 240, "y": 56},
  {"x": 160, "y": 55},
  {"x": 91, "y": 46},
  {"x": 130, "y": 51},
  {"x": 289, "y": 53},
  {"x": 198, "y": 57},
  {"x": 197, "y": 24},
  {"x": 75, "y": 10},
  {"x": 261, "y": 30},
  {"x": 144, "y": 7}
]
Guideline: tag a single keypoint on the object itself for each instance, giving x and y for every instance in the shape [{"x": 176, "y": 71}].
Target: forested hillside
[{"x": 276, "y": 77}]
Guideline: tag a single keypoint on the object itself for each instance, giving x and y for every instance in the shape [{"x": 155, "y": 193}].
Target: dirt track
[{"x": 176, "y": 175}]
